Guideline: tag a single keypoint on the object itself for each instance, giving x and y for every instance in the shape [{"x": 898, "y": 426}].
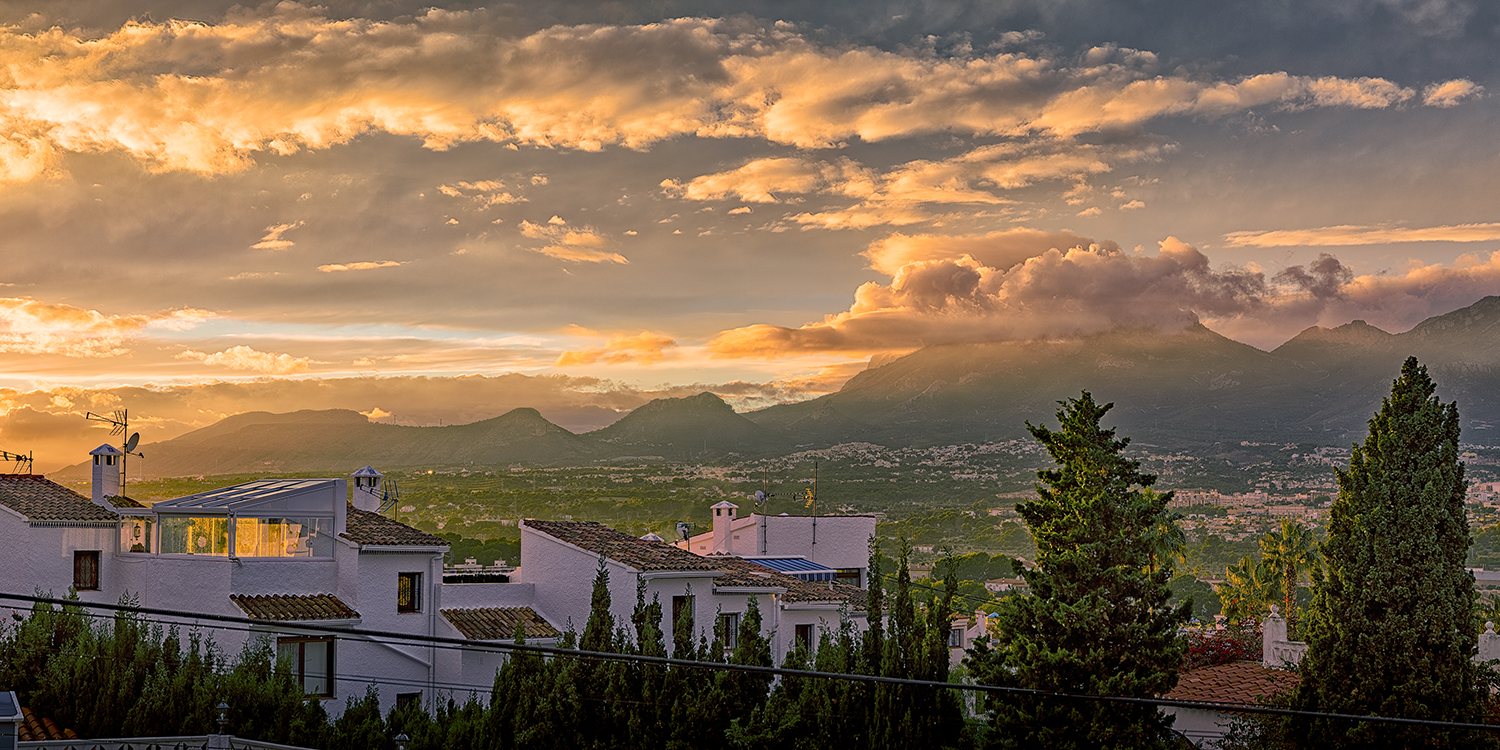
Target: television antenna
[
  {"x": 21, "y": 461},
  {"x": 120, "y": 425}
]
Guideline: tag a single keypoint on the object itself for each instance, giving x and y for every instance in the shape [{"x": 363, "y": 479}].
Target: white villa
[
  {"x": 839, "y": 544},
  {"x": 290, "y": 552}
]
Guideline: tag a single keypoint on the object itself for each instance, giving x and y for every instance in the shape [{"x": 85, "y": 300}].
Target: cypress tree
[
  {"x": 1391, "y": 628},
  {"x": 1097, "y": 620}
]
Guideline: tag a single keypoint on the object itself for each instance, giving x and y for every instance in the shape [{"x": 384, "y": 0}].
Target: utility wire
[{"x": 995, "y": 690}]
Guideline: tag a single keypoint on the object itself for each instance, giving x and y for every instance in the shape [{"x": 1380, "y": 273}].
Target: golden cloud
[
  {"x": 273, "y": 240},
  {"x": 31, "y": 327},
  {"x": 644, "y": 348},
  {"x": 363, "y": 265},
  {"x": 186, "y": 96},
  {"x": 1349, "y": 234},
  {"x": 584, "y": 245},
  {"x": 246, "y": 358},
  {"x": 1000, "y": 287},
  {"x": 1450, "y": 93}
]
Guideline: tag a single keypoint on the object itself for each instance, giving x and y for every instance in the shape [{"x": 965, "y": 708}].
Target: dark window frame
[
  {"x": 408, "y": 593},
  {"x": 678, "y": 603},
  {"x": 731, "y": 628},
  {"x": 299, "y": 669},
  {"x": 86, "y": 570},
  {"x": 806, "y": 636}
]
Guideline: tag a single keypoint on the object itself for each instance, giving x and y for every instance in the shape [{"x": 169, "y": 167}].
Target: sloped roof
[
  {"x": 121, "y": 501},
  {"x": 1234, "y": 684},
  {"x": 640, "y": 554},
  {"x": 367, "y": 527},
  {"x": 739, "y": 572},
  {"x": 499, "y": 623},
  {"x": 41, "y": 499},
  {"x": 41, "y": 729},
  {"x": 289, "y": 607}
]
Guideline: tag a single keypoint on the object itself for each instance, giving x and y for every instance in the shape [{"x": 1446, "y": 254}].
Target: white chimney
[
  {"x": 723, "y": 517},
  {"x": 106, "y": 473},
  {"x": 368, "y": 490}
]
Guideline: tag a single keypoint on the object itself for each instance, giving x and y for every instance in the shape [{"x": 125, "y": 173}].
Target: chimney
[
  {"x": 368, "y": 490},
  {"x": 723, "y": 516},
  {"x": 106, "y": 474}
]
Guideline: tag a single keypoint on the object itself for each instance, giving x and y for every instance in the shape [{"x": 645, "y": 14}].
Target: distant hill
[
  {"x": 339, "y": 440},
  {"x": 700, "y": 426},
  {"x": 1178, "y": 390}
]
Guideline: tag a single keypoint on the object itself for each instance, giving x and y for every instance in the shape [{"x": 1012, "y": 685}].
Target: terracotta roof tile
[
  {"x": 365, "y": 527},
  {"x": 499, "y": 623},
  {"x": 41, "y": 729},
  {"x": 121, "y": 501},
  {"x": 1234, "y": 684},
  {"x": 288, "y": 607},
  {"x": 41, "y": 499},
  {"x": 641, "y": 554}
]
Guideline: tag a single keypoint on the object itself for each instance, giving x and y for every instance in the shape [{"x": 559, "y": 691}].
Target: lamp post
[
  {"x": 401, "y": 740},
  {"x": 223, "y": 709}
]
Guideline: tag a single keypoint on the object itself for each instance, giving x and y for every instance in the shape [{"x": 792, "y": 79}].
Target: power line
[{"x": 667, "y": 661}]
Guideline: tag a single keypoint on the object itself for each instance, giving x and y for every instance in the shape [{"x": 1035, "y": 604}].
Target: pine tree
[
  {"x": 1098, "y": 620},
  {"x": 1391, "y": 628}
]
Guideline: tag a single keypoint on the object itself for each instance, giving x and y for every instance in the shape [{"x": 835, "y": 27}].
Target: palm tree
[
  {"x": 1247, "y": 589},
  {"x": 1289, "y": 550}
]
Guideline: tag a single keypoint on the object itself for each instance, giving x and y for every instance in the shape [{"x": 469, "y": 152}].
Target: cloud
[
  {"x": 273, "y": 240},
  {"x": 1001, "y": 287},
  {"x": 580, "y": 245},
  {"x": 363, "y": 265},
  {"x": 1348, "y": 234},
  {"x": 1450, "y": 93},
  {"x": 245, "y": 358},
  {"x": 896, "y": 196},
  {"x": 484, "y": 193},
  {"x": 644, "y": 348},
  {"x": 188, "y": 96},
  {"x": 1001, "y": 250},
  {"x": 28, "y": 326}
]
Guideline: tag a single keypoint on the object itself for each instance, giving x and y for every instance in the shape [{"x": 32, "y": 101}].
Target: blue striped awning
[{"x": 800, "y": 567}]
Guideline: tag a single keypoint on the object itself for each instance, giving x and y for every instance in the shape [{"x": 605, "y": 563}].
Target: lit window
[
  {"x": 181, "y": 535},
  {"x": 135, "y": 534},
  {"x": 283, "y": 537},
  {"x": 86, "y": 571},
  {"x": 310, "y": 662},
  {"x": 408, "y": 592}
]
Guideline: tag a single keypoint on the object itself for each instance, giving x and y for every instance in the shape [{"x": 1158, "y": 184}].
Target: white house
[
  {"x": 560, "y": 559},
  {"x": 294, "y": 553},
  {"x": 837, "y": 542}
]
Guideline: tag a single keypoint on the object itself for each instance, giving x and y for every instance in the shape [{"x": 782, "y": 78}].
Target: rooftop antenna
[
  {"x": 120, "y": 422},
  {"x": 23, "y": 461},
  {"x": 763, "y": 495}
]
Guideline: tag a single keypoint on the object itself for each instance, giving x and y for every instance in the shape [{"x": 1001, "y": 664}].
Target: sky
[{"x": 433, "y": 214}]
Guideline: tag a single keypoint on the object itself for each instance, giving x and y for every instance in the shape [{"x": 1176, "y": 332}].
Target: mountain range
[{"x": 1171, "y": 389}]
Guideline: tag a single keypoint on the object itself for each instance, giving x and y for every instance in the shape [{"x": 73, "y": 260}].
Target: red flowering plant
[{"x": 1211, "y": 646}]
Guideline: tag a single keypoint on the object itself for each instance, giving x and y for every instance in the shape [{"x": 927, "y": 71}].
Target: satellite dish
[
  {"x": 683, "y": 530},
  {"x": 760, "y": 496},
  {"x": 130, "y": 444}
]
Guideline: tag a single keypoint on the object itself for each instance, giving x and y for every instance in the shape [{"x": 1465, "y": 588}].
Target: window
[
  {"x": 851, "y": 576},
  {"x": 805, "y": 637},
  {"x": 195, "y": 536},
  {"x": 956, "y": 638},
  {"x": 310, "y": 660},
  {"x": 682, "y": 606},
  {"x": 86, "y": 571},
  {"x": 729, "y": 627},
  {"x": 408, "y": 700},
  {"x": 135, "y": 534},
  {"x": 408, "y": 592},
  {"x": 283, "y": 537}
]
